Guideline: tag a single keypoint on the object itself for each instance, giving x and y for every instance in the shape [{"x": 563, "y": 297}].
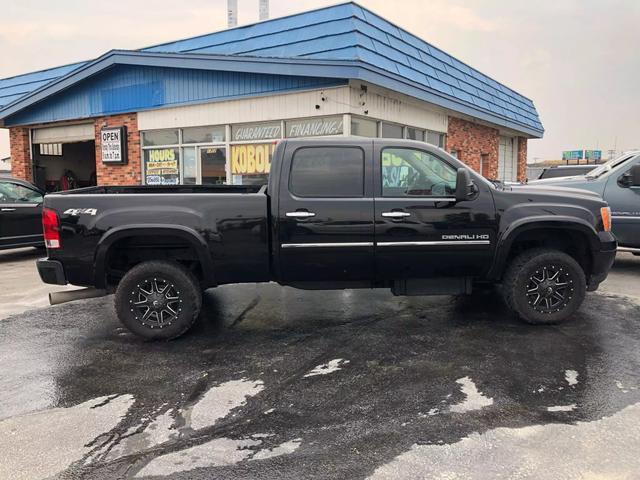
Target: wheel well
[
  {"x": 127, "y": 252},
  {"x": 571, "y": 242}
]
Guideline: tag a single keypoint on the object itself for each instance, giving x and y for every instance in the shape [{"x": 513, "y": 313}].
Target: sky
[{"x": 578, "y": 60}]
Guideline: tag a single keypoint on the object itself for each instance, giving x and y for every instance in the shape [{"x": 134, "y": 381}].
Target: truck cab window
[
  {"x": 410, "y": 172},
  {"x": 327, "y": 172}
]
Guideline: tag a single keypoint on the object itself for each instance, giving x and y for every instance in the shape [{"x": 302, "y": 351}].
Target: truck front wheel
[
  {"x": 158, "y": 300},
  {"x": 544, "y": 286}
]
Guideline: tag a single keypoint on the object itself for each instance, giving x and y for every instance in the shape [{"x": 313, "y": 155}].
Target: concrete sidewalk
[{"x": 20, "y": 286}]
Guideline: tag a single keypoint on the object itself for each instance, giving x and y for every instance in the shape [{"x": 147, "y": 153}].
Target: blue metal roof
[
  {"x": 384, "y": 53},
  {"x": 134, "y": 88},
  {"x": 14, "y": 88}
]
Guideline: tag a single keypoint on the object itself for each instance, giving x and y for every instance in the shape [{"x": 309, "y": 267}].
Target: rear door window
[
  {"x": 14, "y": 193},
  {"x": 327, "y": 172}
]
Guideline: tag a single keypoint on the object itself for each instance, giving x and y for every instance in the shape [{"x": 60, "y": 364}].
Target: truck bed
[{"x": 228, "y": 225}]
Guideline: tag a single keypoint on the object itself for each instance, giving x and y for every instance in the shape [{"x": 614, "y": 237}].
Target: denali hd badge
[
  {"x": 75, "y": 212},
  {"x": 465, "y": 237}
]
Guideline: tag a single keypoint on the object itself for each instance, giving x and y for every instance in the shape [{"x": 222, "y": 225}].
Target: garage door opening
[
  {"x": 64, "y": 157},
  {"x": 64, "y": 166}
]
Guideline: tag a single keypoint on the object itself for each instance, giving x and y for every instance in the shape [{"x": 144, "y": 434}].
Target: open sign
[{"x": 113, "y": 145}]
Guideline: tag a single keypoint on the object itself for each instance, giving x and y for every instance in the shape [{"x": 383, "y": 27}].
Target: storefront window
[
  {"x": 160, "y": 137},
  {"x": 391, "y": 130},
  {"x": 436, "y": 138},
  {"x": 203, "y": 135},
  {"x": 251, "y": 163},
  {"x": 415, "y": 134},
  {"x": 162, "y": 166},
  {"x": 315, "y": 127},
  {"x": 256, "y": 131},
  {"x": 363, "y": 127}
]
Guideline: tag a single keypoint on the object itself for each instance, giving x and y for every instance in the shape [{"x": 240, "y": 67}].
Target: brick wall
[
  {"x": 522, "y": 158},
  {"x": 21, "y": 166},
  {"x": 474, "y": 142},
  {"x": 131, "y": 173}
]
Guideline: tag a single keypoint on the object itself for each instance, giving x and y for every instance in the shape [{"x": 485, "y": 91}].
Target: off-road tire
[
  {"x": 530, "y": 267},
  {"x": 142, "y": 288}
]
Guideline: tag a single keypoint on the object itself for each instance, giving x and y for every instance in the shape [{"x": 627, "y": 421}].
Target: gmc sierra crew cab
[{"x": 336, "y": 213}]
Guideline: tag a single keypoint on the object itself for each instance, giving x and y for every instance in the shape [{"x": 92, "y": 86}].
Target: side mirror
[
  {"x": 465, "y": 187},
  {"x": 630, "y": 179}
]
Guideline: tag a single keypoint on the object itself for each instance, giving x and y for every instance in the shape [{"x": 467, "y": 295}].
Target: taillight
[
  {"x": 605, "y": 213},
  {"x": 51, "y": 228}
]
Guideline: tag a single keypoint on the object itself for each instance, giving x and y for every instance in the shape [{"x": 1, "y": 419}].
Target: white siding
[
  {"x": 379, "y": 104},
  {"x": 385, "y": 105},
  {"x": 254, "y": 109}
]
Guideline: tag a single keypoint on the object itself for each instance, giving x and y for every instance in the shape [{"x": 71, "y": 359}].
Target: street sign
[
  {"x": 595, "y": 155},
  {"x": 572, "y": 155}
]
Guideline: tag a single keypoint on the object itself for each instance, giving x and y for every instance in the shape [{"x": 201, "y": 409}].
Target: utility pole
[
  {"x": 232, "y": 13},
  {"x": 264, "y": 10}
]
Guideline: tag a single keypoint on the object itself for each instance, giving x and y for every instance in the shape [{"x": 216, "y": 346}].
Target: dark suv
[{"x": 20, "y": 214}]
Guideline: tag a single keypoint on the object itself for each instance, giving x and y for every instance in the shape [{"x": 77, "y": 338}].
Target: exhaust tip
[{"x": 58, "y": 298}]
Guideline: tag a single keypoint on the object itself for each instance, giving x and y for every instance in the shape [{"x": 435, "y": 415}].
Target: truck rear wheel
[
  {"x": 158, "y": 300},
  {"x": 544, "y": 286}
]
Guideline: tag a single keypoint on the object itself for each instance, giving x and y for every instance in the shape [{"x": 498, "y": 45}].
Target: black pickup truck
[{"x": 336, "y": 213}]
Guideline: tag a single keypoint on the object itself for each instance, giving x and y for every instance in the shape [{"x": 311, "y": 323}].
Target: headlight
[{"x": 605, "y": 213}]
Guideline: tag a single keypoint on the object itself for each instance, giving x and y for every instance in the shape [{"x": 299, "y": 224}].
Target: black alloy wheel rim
[
  {"x": 155, "y": 302},
  {"x": 549, "y": 289}
]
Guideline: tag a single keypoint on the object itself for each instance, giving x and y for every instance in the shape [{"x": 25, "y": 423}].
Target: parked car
[
  {"x": 618, "y": 181},
  {"x": 20, "y": 214},
  {"x": 558, "y": 171},
  {"x": 337, "y": 213}
]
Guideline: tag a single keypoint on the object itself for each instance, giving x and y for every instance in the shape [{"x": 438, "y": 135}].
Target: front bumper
[
  {"x": 602, "y": 260},
  {"x": 51, "y": 271}
]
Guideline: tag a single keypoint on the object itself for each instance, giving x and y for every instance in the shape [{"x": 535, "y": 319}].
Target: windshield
[{"x": 607, "y": 167}]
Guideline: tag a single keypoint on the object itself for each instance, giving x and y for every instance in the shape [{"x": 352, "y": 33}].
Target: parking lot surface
[{"x": 279, "y": 383}]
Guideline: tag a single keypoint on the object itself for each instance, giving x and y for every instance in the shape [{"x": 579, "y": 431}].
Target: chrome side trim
[
  {"x": 625, "y": 217},
  {"x": 327, "y": 245},
  {"x": 629, "y": 249},
  {"x": 433, "y": 243},
  {"x": 409, "y": 198}
]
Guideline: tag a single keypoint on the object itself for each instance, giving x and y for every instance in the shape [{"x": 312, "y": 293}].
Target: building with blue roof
[{"x": 191, "y": 109}]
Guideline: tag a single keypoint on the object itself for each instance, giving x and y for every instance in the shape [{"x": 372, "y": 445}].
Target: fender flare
[
  {"x": 556, "y": 222},
  {"x": 127, "y": 231}
]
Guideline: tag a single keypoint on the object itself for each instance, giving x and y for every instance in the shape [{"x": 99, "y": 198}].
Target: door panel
[
  {"x": 507, "y": 162},
  {"x": 325, "y": 214},
  {"x": 625, "y": 210},
  {"x": 20, "y": 215},
  {"x": 420, "y": 230}
]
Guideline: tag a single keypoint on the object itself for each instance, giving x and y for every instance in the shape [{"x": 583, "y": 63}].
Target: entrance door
[
  {"x": 421, "y": 231},
  {"x": 213, "y": 162},
  {"x": 325, "y": 213},
  {"x": 507, "y": 161}
]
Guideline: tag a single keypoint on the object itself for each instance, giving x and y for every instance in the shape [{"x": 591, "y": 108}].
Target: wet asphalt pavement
[{"x": 279, "y": 383}]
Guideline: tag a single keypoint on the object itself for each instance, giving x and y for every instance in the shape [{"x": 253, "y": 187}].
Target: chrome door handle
[
  {"x": 8, "y": 210},
  {"x": 396, "y": 214},
  {"x": 300, "y": 214}
]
